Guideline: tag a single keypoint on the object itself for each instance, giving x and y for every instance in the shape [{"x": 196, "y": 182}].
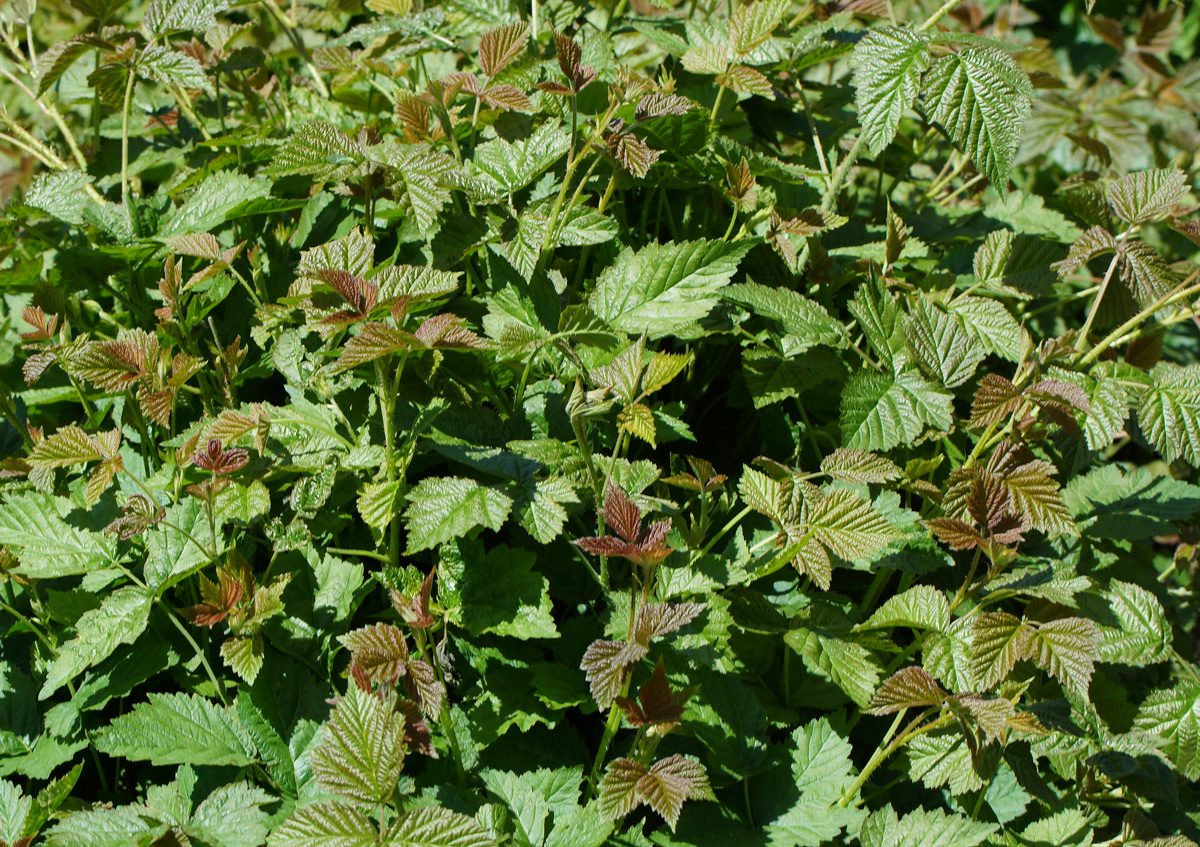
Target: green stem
[
  {"x": 911, "y": 731},
  {"x": 1081, "y": 341},
  {"x": 431, "y": 658},
  {"x": 369, "y": 554},
  {"x": 712, "y": 118},
  {"x": 962, "y": 592},
  {"x": 1117, "y": 334},
  {"x": 839, "y": 176},
  {"x": 199, "y": 652},
  {"x": 387, "y": 409},
  {"x": 128, "y": 105},
  {"x": 945, "y": 9}
]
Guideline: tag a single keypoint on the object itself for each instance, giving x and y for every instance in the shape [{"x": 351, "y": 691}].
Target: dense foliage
[{"x": 568, "y": 425}]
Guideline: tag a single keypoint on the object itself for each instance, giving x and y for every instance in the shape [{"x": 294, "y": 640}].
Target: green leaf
[
  {"x": 848, "y": 665},
  {"x": 805, "y": 319},
  {"x": 943, "y": 759},
  {"x": 920, "y": 607},
  {"x": 907, "y": 688},
  {"x": 1066, "y": 649},
  {"x": 516, "y": 164},
  {"x": 442, "y": 508},
  {"x": 981, "y": 96},
  {"x": 1169, "y": 413},
  {"x": 161, "y": 64},
  {"x": 173, "y": 729},
  {"x": 662, "y": 288},
  {"x": 121, "y": 618},
  {"x": 887, "y": 66},
  {"x": 167, "y": 16},
  {"x": 1015, "y": 263},
  {"x": 318, "y": 149},
  {"x": 1132, "y": 625},
  {"x": 990, "y": 323},
  {"x": 433, "y": 826},
  {"x": 46, "y": 544},
  {"x": 69, "y": 445},
  {"x": 880, "y": 412},
  {"x": 326, "y": 825},
  {"x": 1141, "y": 197},
  {"x": 998, "y": 641},
  {"x": 933, "y": 828},
  {"x": 424, "y": 173},
  {"x": 362, "y": 749},
  {"x": 99, "y": 827},
  {"x": 211, "y": 204},
  {"x": 751, "y": 24},
  {"x": 1174, "y": 716},
  {"x": 848, "y": 525},
  {"x": 232, "y": 816},
  {"x": 1109, "y": 502},
  {"x": 502, "y": 594},
  {"x": 941, "y": 345},
  {"x": 859, "y": 466},
  {"x": 14, "y": 810}
]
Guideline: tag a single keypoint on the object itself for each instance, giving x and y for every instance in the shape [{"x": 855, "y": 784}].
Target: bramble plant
[{"x": 566, "y": 425}]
